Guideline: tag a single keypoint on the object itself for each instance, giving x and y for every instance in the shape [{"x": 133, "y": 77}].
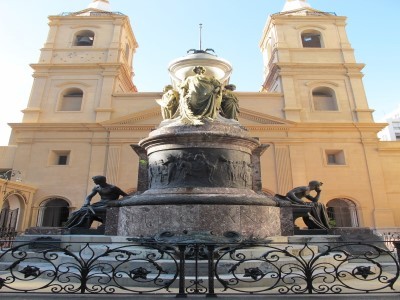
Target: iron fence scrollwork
[{"x": 206, "y": 268}]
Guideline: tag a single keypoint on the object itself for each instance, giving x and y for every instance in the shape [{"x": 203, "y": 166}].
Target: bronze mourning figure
[
  {"x": 84, "y": 217},
  {"x": 316, "y": 216}
]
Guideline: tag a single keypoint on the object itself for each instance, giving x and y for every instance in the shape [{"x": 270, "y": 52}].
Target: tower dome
[
  {"x": 216, "y": 67},
  {"x": 182, "y": 67},
  {"x": 100, "y": 4},
  {"x": 295, "y": 4}
]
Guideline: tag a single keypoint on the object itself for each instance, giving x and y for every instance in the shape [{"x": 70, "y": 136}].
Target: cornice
[
  {"x": 363, "y": 127},
  {"x": 139, "y": 95},
  {"x": 263, "y": 95},
  {"x": 265, "y": 123},
  {"x": 389, "y": 147},
  {"x": 57, "y": 126},
  {"x": 313, "y": 14},
  {"x": 129, "y": 127},
  {"x": 298, "y": 65},
  {"x": 80, "y": 49},
  {"x": 78, "y": 16},
  {"x": 101, "y": 66}
]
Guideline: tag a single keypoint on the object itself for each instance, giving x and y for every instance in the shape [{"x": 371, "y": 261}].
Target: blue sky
[{"x": 166, "y": 29}]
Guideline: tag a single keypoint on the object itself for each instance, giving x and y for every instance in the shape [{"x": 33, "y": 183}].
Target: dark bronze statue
[
  {"x": 317, "y": 218},
  {"x": 84, "y": 217},
  {"x": 230, "y": 103}
]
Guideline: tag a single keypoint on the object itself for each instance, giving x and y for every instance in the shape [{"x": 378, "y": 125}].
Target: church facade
[{"x": 85, "y": 113}]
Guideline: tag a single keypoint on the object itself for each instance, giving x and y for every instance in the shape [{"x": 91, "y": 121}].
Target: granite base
[{"x": 250, "y": 221}]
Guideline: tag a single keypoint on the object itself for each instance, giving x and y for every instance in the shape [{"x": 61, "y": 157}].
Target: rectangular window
[
  {"x": 335, "y": 157},
  {"x": 59, "y": 157},
  {"x": 62, "y": 160},
  {"x": 331, "y": 159}
]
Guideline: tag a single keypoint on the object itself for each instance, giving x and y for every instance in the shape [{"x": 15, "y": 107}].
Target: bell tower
[
  {"x": 308, "y": 57},
  {"x": 88, "y": 57}
]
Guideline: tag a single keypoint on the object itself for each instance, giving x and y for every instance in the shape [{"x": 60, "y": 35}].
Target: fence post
[
  {"x": 210, "y": 256},
  {"x": 396, "y": 244},
  {"x": 182, "y": 275}
]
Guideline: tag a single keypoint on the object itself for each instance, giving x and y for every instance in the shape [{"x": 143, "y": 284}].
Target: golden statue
[{"x": 200, "y": 97}]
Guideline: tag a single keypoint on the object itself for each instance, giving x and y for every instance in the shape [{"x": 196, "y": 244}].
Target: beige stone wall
[{"x": 389, "y": 153}]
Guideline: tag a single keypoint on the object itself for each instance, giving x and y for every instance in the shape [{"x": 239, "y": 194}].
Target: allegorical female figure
[
  {"x": 200, "y": 97},
  {"x": 230, "y": 103},
  {"x": 169, "y": 102}
]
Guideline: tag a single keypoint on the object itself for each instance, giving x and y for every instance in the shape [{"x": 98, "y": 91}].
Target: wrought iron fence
[
  {"x": 389, "y": 237},
  {"x": 198, "y": 268},
  {"x": 7, "y": 235}
]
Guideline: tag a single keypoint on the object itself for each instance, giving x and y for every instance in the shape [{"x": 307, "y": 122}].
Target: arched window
[
  {"x": 9, "y": 215},
  {"x": 342, "y": 213},
  {"x": 71, "y": 100},
  {"x": 311, "y": 39},
  {"x": 4, "y": 214},
  {"x": 53, "y": 213},
  {"x": 84, "y": 38},
  {"x": 324, "y": 98}
]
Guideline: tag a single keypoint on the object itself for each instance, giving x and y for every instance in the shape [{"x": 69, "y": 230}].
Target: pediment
[
  {"x": 148, "y": 116},
  {"x": 153, "y": 117},
  {"x": 258, "y": 118}
]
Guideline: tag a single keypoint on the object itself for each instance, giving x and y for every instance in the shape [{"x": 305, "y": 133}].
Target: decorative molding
[
  {"x": 310, "y": 26},
  {"x": 17, "y": 192},
  {"x": 84, "y": 26},
  {"x": 74, "y": 83},
  {"x": 321, "y": 82}
]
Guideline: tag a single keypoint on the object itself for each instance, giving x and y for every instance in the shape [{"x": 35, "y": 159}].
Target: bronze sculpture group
[{"x": 199, "y": 97}]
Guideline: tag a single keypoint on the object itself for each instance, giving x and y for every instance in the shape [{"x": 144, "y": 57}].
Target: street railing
[
  {"x": 187, "y": 268},
  {"x": 390, "y": 237},
  {"x": 7, "y": 235}
]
